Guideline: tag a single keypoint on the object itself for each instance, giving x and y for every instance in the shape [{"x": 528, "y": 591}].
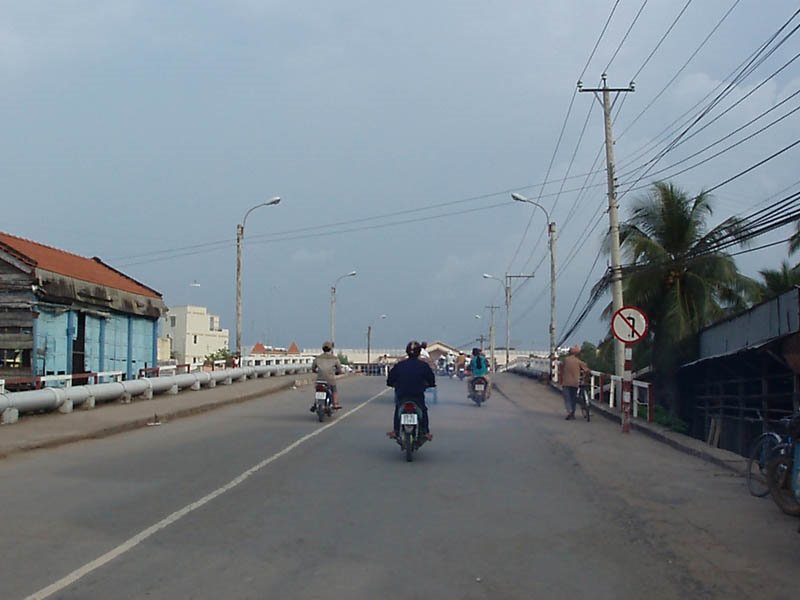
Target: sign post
[{"x": 629, "y": 325}]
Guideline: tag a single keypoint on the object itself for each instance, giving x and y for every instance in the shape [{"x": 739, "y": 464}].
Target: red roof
[
  {"x": 293, "y": 349},
  {"x": 92, "y": 270},
  {"x": 259, "y": 348}
]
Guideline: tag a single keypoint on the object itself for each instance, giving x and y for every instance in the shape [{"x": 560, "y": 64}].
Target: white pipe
[{"x": 54, "y": 398}]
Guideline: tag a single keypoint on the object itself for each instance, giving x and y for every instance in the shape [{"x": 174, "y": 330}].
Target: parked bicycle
[
  {"x": 783, "y": 470},
  {"x": 760, "y": 454}
]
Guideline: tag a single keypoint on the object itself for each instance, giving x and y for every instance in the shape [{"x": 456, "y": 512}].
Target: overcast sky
[{"x": 142, "y": 131}]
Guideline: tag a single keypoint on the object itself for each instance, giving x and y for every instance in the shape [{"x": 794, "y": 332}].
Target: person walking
[{"x": 570, "y": 375}]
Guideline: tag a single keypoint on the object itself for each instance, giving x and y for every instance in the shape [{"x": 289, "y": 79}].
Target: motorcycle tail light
[
  {"x": 322, "y": 387},
  {"x": 409, "y": 407}
]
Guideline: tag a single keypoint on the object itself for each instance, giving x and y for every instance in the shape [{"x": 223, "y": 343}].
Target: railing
[
  {"x": 603, "y": 387},
  {"x": 66, "y": 397}
]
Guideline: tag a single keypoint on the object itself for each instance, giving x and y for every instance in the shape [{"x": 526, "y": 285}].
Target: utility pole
[
  {"x": 481, "y": 340},
  {"x": 613, "y": 217},
  {"x": 508, "y": 310},
  {"x": 492, "y": 308}
]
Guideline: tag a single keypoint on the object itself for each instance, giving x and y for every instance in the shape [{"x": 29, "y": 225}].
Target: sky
[{"x": 143, "y": 131}]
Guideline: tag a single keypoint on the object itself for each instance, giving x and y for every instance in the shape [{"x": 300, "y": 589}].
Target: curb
[{"x": 688, "y": 445}]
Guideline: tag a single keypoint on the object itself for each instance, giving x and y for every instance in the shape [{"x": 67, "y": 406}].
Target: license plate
[
  {"x": 320, "y": 396},
  {"x": 480, "y": 387},
  {"x": 408, "y": 419}
]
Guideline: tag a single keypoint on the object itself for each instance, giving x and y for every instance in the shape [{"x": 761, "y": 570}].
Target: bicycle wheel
[
  {"x": 779, "y": 480},
  {"x": 757, "y": 463},
  {"x": 585, "y": 405}
]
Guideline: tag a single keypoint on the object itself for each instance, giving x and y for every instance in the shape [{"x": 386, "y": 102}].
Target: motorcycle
[
  {"x": 323, "y": 400},
  {"x": 461, "y": 373},
  {"x": 477, "y": 390},
  {"x": 410, "y": 438}
]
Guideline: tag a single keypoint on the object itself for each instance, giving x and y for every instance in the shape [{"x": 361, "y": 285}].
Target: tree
[
  {"x": 677, "y": 274},
  {"x": 777, "y": 281},
  {"x": 221, "y": 354}
]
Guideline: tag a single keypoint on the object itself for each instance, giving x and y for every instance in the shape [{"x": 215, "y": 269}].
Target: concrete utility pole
[
  {"x": 508, "y": 310},
  {"x": 507, "y": 289},
  {"x": 239, "y": 238},
  {"x": 551, "y": 238},
  {"x": 492, "y": 308},
  {"x": 481, "y": 339},
  {"x": 333, "y": 304},
  {"x": 613, "y": 217}
]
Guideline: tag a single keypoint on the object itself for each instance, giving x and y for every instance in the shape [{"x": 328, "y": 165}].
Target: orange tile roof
[
  {"x": 259, "y": 348},
  {"x": 92, "y": 270}
]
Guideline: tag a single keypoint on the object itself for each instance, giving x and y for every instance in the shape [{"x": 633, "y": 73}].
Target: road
[{"x": 259, "y": 500}]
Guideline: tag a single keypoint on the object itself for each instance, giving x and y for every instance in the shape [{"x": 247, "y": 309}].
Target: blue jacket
[
  {"x": 410, "y": 378},
  {"x": 473, "y": 366}
]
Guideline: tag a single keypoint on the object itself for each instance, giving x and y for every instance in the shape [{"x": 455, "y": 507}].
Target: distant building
[
  {"x": 61, "y": 313},
  {"x": 194, "y": 333}
]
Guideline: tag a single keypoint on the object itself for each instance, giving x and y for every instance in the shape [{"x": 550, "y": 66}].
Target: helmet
[
  {"x": 476, "y": 351},
  {"x": 413, "y": 348},
  {"x": 327, "y": 346}
]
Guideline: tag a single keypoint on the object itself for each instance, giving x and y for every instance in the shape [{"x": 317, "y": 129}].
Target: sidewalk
[
  {"x": 509, "y": 384},
  {"x": 54, "y": 429}
]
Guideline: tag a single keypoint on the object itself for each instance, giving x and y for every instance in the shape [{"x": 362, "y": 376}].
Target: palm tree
[
  {"x": 677, "y": 274},
  {"x": 778, "y": 281},
  {"x": 794, "y": 241}
]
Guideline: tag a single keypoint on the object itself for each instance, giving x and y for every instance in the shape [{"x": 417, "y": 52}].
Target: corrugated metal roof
[
  {"x": 755, "y": 327},
  {"x": 92, "y": 270}
]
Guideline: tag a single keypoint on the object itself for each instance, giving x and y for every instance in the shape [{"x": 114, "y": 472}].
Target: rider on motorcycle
[
  {"x": 479, "y": 367},
  {"x": 328, "y": 366},
  {"x": 410, "y": 378}
]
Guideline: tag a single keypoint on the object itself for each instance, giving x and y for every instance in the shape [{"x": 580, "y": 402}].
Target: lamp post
[
  {"x": 480, "y": 339},
  {"x": 333, "y": 303},
  {"x": 239, "y": 238},
  {"x": 551, "y": 238},
  {"x": 369, "y": 338}
]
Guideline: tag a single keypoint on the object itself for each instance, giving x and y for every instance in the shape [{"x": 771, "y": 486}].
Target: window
[
  {"x": 195, "y": 339},
  {"x": 15, "y": 359},
  {"x": 172, "y": 321}
]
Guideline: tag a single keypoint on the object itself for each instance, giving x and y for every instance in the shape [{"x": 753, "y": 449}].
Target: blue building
[{"x": 61, "y": 313}]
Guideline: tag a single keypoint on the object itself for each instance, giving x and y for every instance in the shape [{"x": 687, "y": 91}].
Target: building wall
[
  {"x": 195, "y": 333},
  {"x": 108, "y": 345},
  {"x": 51, "y": 342}
]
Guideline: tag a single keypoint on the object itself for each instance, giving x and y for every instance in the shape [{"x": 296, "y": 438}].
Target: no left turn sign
[{"x": 629, "y": 325}]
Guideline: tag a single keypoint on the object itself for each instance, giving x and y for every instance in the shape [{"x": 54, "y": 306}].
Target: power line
[
  {"x": 625, "y": 37},
  {"x": 679, "y": 71},
  {"x": 743, "y": 73},
  {"x": 661, "y": 41},
  {"x": 561, "y": 134}
]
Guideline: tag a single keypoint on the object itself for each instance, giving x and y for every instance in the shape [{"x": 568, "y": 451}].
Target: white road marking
[{"x": 179, "y": 514}]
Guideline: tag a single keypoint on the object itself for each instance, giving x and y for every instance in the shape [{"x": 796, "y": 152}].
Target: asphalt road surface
[{"x": 259, "y": 500}]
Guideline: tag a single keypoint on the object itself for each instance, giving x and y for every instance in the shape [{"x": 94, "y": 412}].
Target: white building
[{"x": 194, "y": 333}]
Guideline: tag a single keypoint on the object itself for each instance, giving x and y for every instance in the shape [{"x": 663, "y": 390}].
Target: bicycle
[
  {"x": 783, "y": 469},
  {"x": 760, "y": 455},
  {"x": 585, "y": 401}
]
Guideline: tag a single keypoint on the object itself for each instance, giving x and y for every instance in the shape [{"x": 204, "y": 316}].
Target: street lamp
[
  {"x": 239, "y": 237},
  {"x": 480, "y": 339},
  {"x": 333, "y": 304},
  {"x": 551, "y": 238},
  {"x": 369, "y": 338}
]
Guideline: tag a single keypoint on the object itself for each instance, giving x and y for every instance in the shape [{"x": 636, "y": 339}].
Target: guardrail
[
  {"x": 603, "y": 387},
  {"x": 66, "y": 398}
]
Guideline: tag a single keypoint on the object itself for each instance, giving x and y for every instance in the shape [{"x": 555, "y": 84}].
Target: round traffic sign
[{"x": 629, "y": 325}]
